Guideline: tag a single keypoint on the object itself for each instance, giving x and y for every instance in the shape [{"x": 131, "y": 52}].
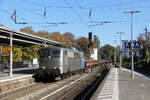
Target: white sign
[
  {"x": 126, "y": 47},
  {"x": 136, "y": 44},
  {"x": 35, "y": 61},
  {"x": 127, "y": 44}
]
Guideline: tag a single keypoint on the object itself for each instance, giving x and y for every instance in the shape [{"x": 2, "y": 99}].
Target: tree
[
  {"x": 147, "y": 56},
  {"x": 97, "y": 41},
  {"x": 28, "y": 29},
  {"x": 56, "y": 36},
  {"x": 97, "y": 44},
  {"x": 31, "y": 52},
  {"x": 82, "y": 45},
  {"x": 17, "y": 54},
  {"x": 106, "y": 52},
  {"x": 69, "y": 36},
  {"x": 43, "y": 34},
  {"x": 5, "y": 54},
  {"x": 144, "y": 40}
]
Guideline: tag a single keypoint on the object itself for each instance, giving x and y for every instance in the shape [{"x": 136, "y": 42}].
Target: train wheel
[
  {"x": 49, "y": 79},
  {"x": 62, "y": 76},
  {"x": 65, "y": 75},
  {"x": 69, "y": 74},
  {"x": 53, "y": 77}
]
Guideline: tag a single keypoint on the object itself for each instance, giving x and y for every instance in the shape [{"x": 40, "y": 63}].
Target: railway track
[
  {"x": 67, "y": 95},
  {"x": 36, "y": 90},
  {"x": 90, "y": 90},
  {"x": 67, "y": 89},
  {"x": 21, "y": 92},
  {"x": 74, "y": 90}
]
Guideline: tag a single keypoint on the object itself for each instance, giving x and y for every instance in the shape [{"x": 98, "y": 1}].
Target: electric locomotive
[{"x": 58, "y": 62}]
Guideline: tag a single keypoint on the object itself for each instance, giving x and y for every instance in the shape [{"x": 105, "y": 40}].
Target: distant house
[{"x": 94, "y": 55}]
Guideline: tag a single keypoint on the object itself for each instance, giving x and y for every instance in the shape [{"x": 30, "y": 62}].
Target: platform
[
  {"x": 120, "y": 86},
  {"x": 21, "y": 77},
  {"x": 18, "y": 72}
]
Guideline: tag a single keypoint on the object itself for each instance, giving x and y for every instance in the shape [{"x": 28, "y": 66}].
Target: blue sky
[{"x": 77, "y": 16}]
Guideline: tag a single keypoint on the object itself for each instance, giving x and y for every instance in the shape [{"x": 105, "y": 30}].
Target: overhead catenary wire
[
  {"x": 94, "y": 8},
  {"x": 97, "y": 8},
  {"x": 34, "y": 11},
  {"x": 29, "y": 22},
  {"x": 74, "y": 11},
  {"x": 46, "y": 23},
  {"x": 43, "y": 15},
  {"x": 10, "y": 14},
  {"x": 96, "y": 22},
  {"x": 105, "y": 7},
  {"x": 86, "y": 14},
  {"x": 125, "y": 3},
  {"x": 81, "y": 7}
]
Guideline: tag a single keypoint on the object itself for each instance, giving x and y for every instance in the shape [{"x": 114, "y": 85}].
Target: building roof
[{"x": 23, "y": 38}]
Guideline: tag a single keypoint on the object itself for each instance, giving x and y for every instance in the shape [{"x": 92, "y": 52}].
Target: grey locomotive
[{"x": 56, "y": 62}]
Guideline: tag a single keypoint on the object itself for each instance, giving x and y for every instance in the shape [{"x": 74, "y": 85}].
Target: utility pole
[
  {"x": 11, "y": 60},
  {"x": 115, "y": 41},
  {"x": 90, "y": 44},
  {"x": 132, "y": 60},
  {"x": 120, "y": 47}
]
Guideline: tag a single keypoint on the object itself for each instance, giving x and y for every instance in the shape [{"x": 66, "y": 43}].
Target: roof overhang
[{"x": 24, "y": 39}]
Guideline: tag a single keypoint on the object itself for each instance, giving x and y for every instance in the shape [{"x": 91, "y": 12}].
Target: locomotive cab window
[
  {"x": 55, "y": 53},
  {"x": 45, "y": 53}
]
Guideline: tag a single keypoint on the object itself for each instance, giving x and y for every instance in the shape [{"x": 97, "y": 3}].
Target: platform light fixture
[{"x": 132, "y": 60}]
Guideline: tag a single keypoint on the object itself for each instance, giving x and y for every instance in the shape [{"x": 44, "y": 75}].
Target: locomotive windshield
[
  {"x": 44, "y": 53},
  {"x": 55, "y": 53},
  {"x": 49, "y": 53}
]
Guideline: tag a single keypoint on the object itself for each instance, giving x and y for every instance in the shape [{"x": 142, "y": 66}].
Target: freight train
[{"x": 61, "y": 62}]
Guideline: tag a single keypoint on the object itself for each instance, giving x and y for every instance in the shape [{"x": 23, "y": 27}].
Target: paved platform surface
[
  {"x": 17, "y": 73},
  {"x": 120, "y": 86}
]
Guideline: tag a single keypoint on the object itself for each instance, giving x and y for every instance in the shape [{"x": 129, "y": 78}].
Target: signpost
[
  {"x": 127, "y": 44},
  {"x": 135, "y": 44},
  {"x": 130, "y": 48},
  {"x": 126, "y": 48}
]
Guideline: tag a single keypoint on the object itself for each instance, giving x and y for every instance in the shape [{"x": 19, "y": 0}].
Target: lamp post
[
  {"x": 115, "y": 41},
  {"x": 132, "y": 60},
  {"x": 120, "y": 48}
]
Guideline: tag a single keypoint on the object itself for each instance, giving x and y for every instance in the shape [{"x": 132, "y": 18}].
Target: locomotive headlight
[
  {"x": 49, "y": 56},
  {"x": 55, "y": 67},
  {"x": 43, "y": 67}
]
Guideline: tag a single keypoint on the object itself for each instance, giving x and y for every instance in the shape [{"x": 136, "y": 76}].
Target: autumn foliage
[{"x": 30, "y": 52}]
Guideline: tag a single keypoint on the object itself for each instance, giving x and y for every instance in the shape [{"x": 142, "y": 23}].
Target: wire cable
[{"x": 75, "y": 12}]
